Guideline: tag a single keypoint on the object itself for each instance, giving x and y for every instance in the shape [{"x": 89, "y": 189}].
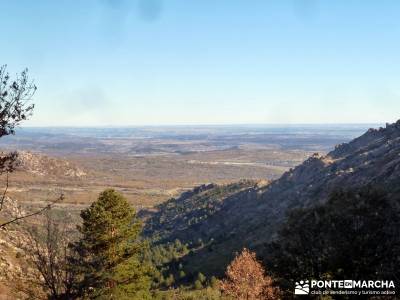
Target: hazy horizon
[{"x": 193, "y": 125}]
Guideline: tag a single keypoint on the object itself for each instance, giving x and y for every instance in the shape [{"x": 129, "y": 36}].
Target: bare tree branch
[
  {"x": 47, "y": 253},
  {"x": 47, "y": 207},
  {"x": 4, "y": 193},
  {"x": 15, "y": 96},
  {"x": 15, "y": 107}
]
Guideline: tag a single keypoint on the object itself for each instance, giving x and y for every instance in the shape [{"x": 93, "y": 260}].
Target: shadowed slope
[{"x": 251, "y": 216}]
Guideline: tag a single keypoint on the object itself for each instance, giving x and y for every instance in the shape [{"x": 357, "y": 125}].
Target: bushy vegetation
[
  {"x": 246, "y": 279},
  {"x": 190, "y": 209},
  {"x": 190, "y": 220},
  {"x": 183, "y": 293},
  {"x": 44, "y": 259},
  {"x": 356, "y": 235},
  {"x": 167, "y": 271}
]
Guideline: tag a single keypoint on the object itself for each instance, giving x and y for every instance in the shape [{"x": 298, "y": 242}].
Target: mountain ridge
[{"x": 252, "y": 217}]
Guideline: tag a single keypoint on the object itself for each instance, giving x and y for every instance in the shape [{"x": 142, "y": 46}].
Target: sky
[{"x": 156, "y": 62}]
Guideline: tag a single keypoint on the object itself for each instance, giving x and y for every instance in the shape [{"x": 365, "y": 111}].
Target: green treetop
[{"x": 110, "y": 250}]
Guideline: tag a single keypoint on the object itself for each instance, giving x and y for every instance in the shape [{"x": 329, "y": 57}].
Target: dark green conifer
[{"x": 110, "y": 251}]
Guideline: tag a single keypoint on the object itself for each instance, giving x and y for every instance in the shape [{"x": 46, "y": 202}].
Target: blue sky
[{"x": 127, "y": 62}]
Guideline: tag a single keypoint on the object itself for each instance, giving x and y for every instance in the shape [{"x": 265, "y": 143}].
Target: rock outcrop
[
  {"x": 47, "y": 166},
  {"x": 252, "y": 216}
]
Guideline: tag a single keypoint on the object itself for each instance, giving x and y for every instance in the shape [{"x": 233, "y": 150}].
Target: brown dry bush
[{"x": 246, "y": 279}]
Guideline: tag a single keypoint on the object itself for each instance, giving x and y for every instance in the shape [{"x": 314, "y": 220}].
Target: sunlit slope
[{"x": 219, "y": 220}]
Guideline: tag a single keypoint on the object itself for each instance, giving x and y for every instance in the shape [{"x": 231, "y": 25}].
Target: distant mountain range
[{"x": 220, "y": 220}]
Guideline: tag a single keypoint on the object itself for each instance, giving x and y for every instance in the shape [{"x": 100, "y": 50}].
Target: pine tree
[
  {"x": 109, "y": 251},
  {"x": 213, "y": 282},
  {"x": 198, "y": 285},
  {"x": 201, "y": 277}
]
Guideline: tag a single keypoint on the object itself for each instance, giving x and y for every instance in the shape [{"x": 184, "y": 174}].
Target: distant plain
[{"x": 152, "y": 164}]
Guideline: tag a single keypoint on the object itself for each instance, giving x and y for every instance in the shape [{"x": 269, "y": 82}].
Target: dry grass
[{"x": 149, "y": 180}]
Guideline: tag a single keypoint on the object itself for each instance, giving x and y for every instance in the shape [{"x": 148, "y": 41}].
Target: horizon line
[{"x": 207, "y": 125}]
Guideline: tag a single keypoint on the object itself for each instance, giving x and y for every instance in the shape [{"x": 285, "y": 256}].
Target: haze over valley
[{"x": 152, "y": 164}]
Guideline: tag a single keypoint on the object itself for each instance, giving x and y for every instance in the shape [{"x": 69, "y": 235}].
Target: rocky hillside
[
  {"x": 10, "y": 237},
  {"x": 43, "y": 165},
  {"x": 251, "y": 215},
  {"x": 175, "y": 218}
]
